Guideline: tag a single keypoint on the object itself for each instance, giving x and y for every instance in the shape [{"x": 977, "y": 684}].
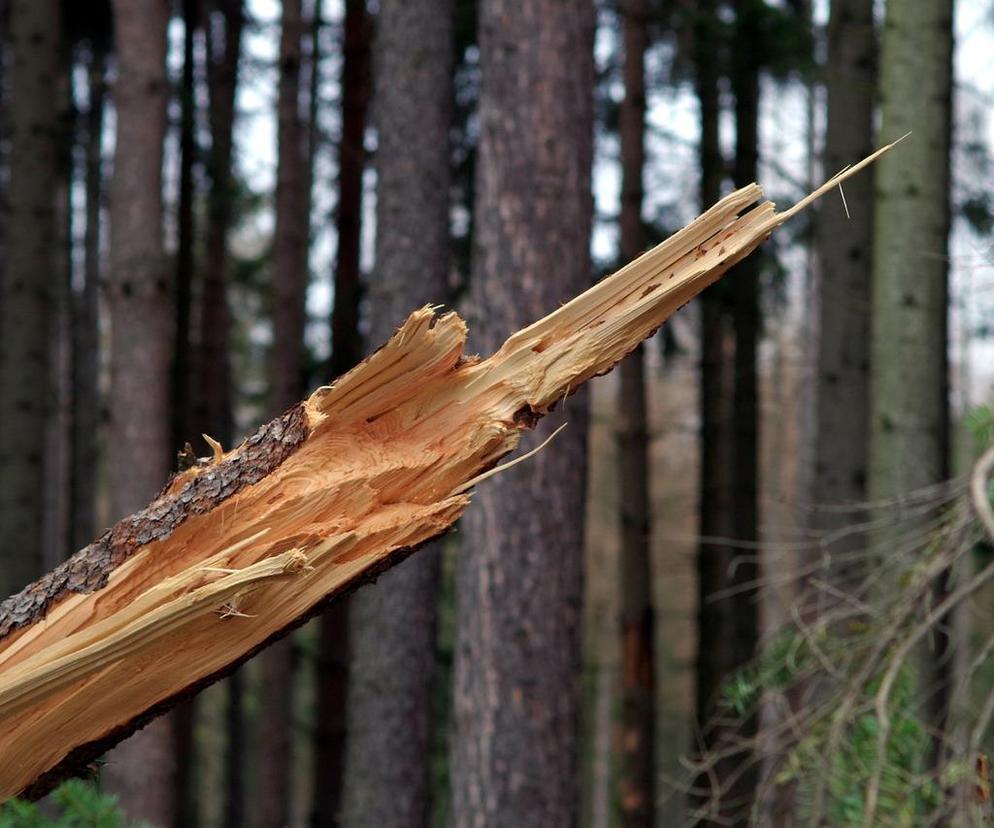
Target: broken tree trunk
[{"x": 243, "y": 547}]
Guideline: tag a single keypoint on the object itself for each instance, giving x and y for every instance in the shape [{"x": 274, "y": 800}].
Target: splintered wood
[{"x": 242, "y": 547}]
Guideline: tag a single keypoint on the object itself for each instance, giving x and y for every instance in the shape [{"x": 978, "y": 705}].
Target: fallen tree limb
[{"x": 246, "y": 545}]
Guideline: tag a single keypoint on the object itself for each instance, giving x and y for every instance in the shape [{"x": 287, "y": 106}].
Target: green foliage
[
  {"x": 77, "y": 804},
  {"x": 907, "y": 794}
]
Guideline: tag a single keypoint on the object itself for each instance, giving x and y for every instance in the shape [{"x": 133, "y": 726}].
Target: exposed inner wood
[{"x": 375, "y": 463}]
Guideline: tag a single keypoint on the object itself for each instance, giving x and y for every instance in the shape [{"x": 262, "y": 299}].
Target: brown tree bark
[
  {"x": 213, "y": 393},
  {"x": 31, "y": 284},
  {"x": 844, "y": 249},
  {"x": 336, "y": 490},
  {"x": 289, "y": 294},
  {"x": 140, "y": 771},
  {"x": 517, "y": 661},
  {"x": 636, "y": 739},
  {"x": 346, "y": 351},
  {"x": 393, "y": 629},
  {"x": 86, "y": 403},
  {"x": 717, "y": 347}
]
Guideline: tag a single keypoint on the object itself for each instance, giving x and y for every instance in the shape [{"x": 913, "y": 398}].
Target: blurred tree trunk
[
  {"x": 289, "y": 294},
  {"x": 519, "y": 582},
  {"x": 909, "y": 405},
  {"x": 844, "y": 252},
  {"x": 184, "y": 716},
  {"x": 140, "y": 771},
  {"x": 86, "y": 321},
  {"x": 636, "y": 777},
  {"x": 346, "y": 351},
  {"x": 715, "y": 554},
  {"x": 214, "y": 397},
  {"x": 31, "y": 282},
  {"x": 182, "y": 363},
  {"x": 731, "y": 324},
  {"x": 393, "y": 623}
]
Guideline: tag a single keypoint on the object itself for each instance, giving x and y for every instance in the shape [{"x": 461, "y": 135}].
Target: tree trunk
[
  {"x": 214, "y": 403},
  {"x": 517, "y": 661},
  {"x": 141, "y": 771},
  {"x": 715, "y": 554},
  {"x": 31, "y": 283},
  {"x": 239, "y": 549},
  {"x": 844, "y": 248},
  {"x": 289, "y": 290},
  {"x": 346, "y": 351},
  {"x": 86, "y": 323},
  {"x": 909, "y": 405},
  {"x": 636, "y": 777},
  {"x": 393, "y": 630}
]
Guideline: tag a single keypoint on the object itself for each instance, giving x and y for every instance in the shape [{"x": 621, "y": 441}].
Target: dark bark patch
[{"x": 89, "y": 569}]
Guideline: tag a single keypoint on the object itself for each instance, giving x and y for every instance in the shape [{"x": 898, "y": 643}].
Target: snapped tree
[{"x": 243, "y": 547}]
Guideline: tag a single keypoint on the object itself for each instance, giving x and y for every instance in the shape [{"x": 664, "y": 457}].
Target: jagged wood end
[{"x": 240, "y": 548}]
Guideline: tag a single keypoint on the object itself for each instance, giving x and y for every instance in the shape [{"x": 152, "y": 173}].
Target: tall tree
[
  {"x": 517, "y": 660},
  {"x": 909, "y": 406},
  {"x": 844, "y": 259},
  {"x": 213, "y": 403},
  {"x": 86, "y": 313},
  {"x": 31, "y": 282},
  {"x": 139, "y": 298},
  {"x": 393, "y": 623},
  {"x": 716, "y": 500},
  {"x": 287, "y": 371},
  {"x": 346, "y": 351},
  {"x": 636, "y": 778}
]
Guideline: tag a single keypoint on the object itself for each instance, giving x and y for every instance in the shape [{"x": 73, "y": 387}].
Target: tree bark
[
  {"x": 517, "y": 661},
  {"x": 393, "y": 624},
  {"x": 240, "y": 548},
  {"x": 290, "y": 278},
  {"x": 86, "y": 404},
  {"x": 346, "y": 351},
  {"x": 716, "y": 500},
  {"x": 32, "y": 281},
  {"x": 636, "y": 748},
  {"x": 909, "y": 392},
  {"x": 213, "y": 394},
  {"x": 140, "y": 771},
  {"x": 844, "y": 249}
]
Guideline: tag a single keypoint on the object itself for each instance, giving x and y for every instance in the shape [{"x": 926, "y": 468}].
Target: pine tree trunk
[
  {"x": 31, "y": 282},
  {"x": 717, "y": 349},
  {"x": 289, "y": 290},
  {"x": 214, "y": 397},
  {"x": 346, "y": 347},
  {"x": 393, "y": 623},
  {"x": 909, "y": 405},
  {"x": 517, "y": 661},
  {"x": 636, "y": 778},
  {"x": 140, "y": 771},
  {"x": 86, "y": 323},
  {"x": 844, "y": 249}
]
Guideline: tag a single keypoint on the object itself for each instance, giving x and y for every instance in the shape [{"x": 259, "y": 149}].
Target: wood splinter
[{"x": 238, "y": 550}]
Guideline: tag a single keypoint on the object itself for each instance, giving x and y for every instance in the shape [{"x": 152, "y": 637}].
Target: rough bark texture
[
  {"x": 86, "y": 323},
  {"x": 346, "y": 347},
  {"x": 289, "y": 292},
  {"x": 141, "y": 770},
  {"x": 636, "y": 748},
  {"x": 31, "y": 282},
  {"x": 392, "y": 623},
  {"x": 213, "y": 397},
  {"x": 517, "y": 661},
  {"x": 844, "y": 253},
  {"x": 909, "y": 393}
]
